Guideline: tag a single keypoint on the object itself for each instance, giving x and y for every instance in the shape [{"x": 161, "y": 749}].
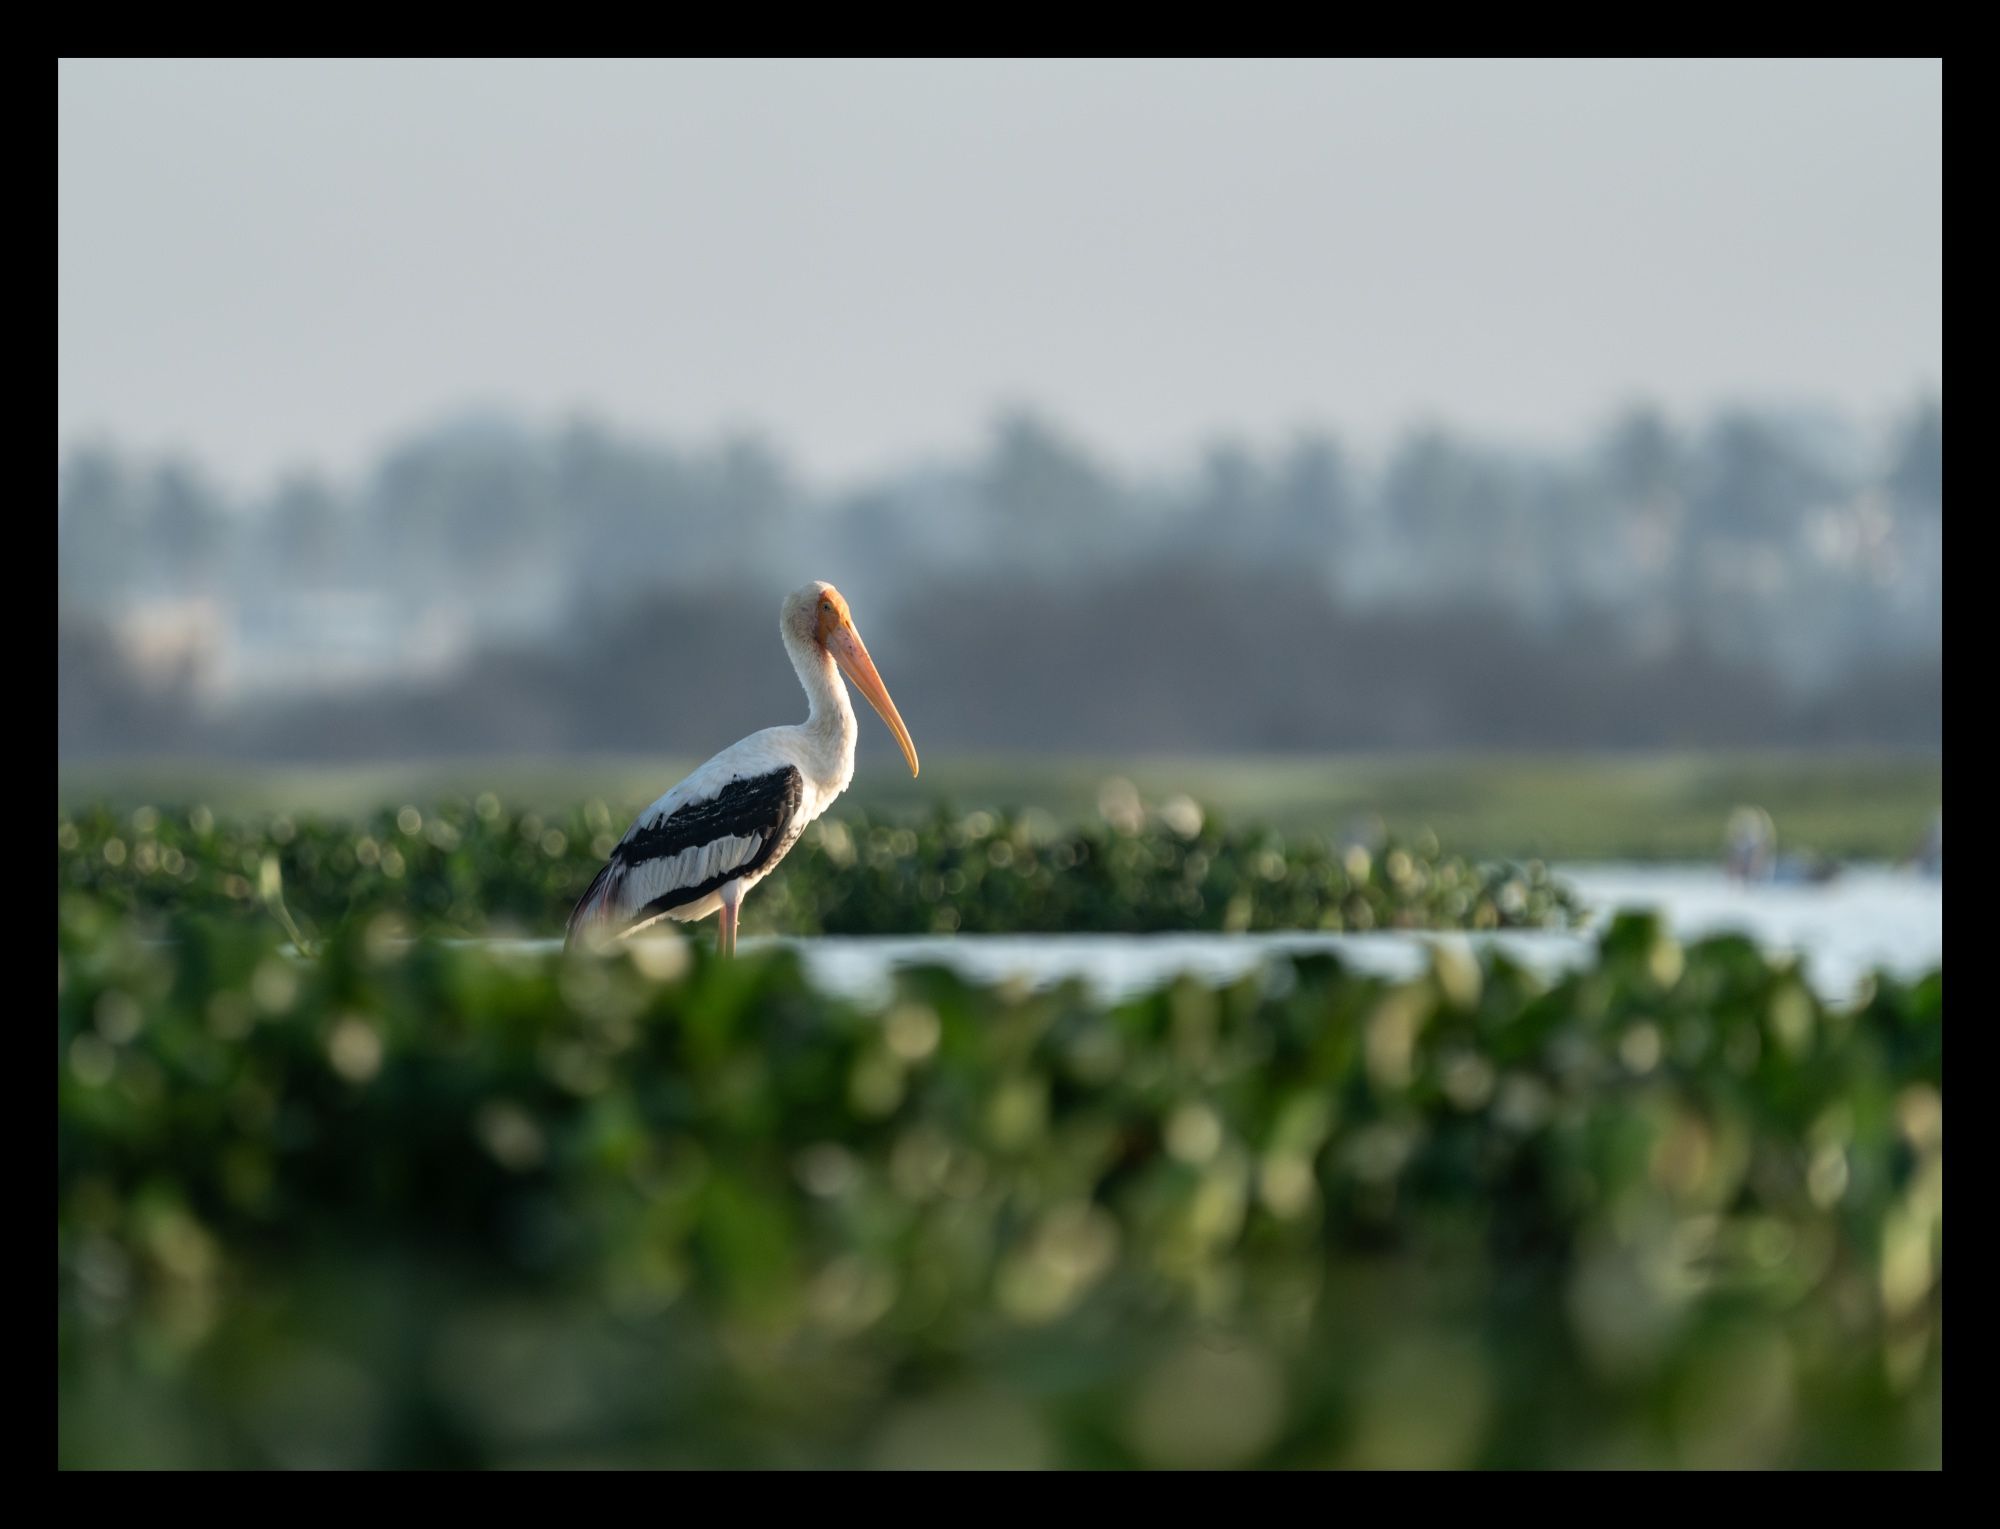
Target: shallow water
[{"x": 1868, "y": 918}]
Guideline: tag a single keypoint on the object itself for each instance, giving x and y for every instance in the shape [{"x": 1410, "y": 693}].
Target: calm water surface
[{"x": 1866, "y": 918}]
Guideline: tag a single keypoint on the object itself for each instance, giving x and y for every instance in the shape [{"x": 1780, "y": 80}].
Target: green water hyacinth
[
  {"x": 477, "y": 868},
  {"x": 408, "y": 1204}
]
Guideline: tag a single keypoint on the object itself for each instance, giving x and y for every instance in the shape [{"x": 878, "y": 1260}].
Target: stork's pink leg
[{"x": 732, "y": 896}]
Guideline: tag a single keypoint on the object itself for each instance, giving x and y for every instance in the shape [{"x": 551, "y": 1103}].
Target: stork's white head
[{"x": 815, "y": 616}]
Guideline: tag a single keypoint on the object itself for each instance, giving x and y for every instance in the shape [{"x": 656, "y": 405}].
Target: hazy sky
[{"x": 268, "y": 264}]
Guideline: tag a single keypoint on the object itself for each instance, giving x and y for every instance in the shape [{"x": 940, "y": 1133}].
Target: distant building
[
  {"x": 165, "y": 639},
  {"x": 340, "y": 639}
]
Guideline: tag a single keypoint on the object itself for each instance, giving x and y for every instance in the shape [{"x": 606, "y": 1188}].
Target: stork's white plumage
[{"x": 703, "y": 845}]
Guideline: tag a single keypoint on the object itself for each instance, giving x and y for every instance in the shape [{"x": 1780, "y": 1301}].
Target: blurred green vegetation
[
  {"x": 480, "y": 867},
  {"x": 421, "y": 1205},
  {"x": 1568, "y": 806}
]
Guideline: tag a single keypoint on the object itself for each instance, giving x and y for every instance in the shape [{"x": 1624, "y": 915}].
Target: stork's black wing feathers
[
  {"x": 753, "y": 805},
  {"x": 755, "y": 815}
]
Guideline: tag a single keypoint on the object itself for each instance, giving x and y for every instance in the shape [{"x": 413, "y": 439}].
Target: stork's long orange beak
[{"x": 848, "y": 650}]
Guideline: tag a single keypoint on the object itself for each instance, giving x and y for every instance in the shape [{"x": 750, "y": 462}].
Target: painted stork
[{"x": 707, "y": 842}]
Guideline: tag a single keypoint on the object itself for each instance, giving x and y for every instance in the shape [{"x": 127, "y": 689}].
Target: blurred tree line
[{"x": 1758, "y": 579}]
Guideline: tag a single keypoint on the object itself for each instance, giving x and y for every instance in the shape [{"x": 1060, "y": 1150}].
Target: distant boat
[
  {"x": 1802, "y": 870},
  {"x": 1750, "y": 854},
  {"x": 1749, "y": 845}
]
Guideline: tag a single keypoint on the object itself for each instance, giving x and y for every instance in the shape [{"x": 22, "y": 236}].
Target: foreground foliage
[
  {"x": 423, "y": 1205},
  {"x": 477, "y": 868}
]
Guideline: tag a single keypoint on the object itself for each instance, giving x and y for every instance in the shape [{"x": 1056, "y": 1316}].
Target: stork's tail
[{"x": 595, "y": 908}]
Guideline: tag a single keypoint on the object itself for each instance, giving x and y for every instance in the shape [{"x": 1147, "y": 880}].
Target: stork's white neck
[{"x": 829, "y": 726}]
